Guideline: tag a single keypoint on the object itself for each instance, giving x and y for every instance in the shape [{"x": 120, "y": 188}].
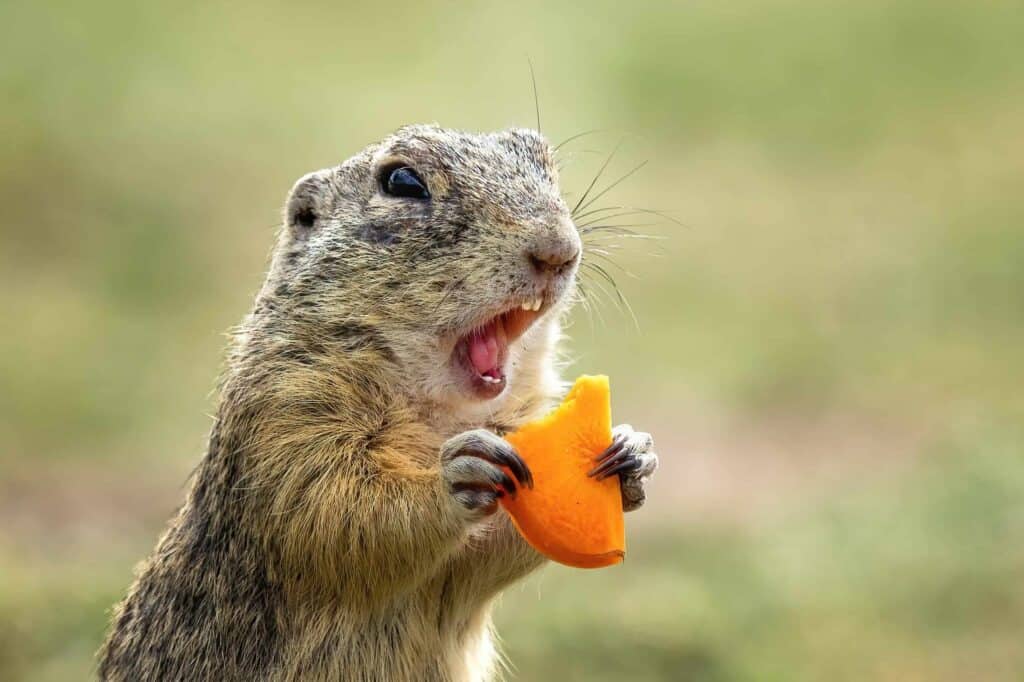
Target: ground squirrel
[{"x": 343, "y": 524}]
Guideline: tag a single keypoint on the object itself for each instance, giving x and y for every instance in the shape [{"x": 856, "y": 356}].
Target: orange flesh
[{"x": 568, "y": 516}]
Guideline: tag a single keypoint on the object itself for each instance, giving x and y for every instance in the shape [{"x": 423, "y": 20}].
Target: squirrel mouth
[{"x": 483, "y": 351}]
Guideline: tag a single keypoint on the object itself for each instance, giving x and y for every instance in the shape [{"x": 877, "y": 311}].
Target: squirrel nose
[{"x": 553, "y": 258}]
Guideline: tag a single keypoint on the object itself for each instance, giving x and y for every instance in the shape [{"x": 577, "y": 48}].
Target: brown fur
[{"x": 318, "y": 540}]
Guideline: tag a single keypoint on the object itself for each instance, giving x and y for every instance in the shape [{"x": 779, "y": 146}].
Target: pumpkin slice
[{"x": 568, "y": 516}]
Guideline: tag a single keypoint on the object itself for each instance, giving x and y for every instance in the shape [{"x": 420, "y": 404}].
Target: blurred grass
[{"x": 846, "y": 296}]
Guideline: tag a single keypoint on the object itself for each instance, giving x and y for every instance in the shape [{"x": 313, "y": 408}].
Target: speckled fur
[{"x": 317, "y": 541}]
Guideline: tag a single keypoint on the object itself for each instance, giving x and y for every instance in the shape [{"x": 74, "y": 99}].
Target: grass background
[{"x": 828, "y": 351}]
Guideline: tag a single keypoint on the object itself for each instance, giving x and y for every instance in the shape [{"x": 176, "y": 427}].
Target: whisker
[
  {"x": 584, "y": 299},
  {"x": 612, "y": 186},
  {"x": 614, "y": 234},
  {"x": 602, "y": 229},
  {"x": 615, "y": 287},
  {"x": 655, "y": 252},
  {"x": 595, "y": 294},
  {"x": 620, "y": 230},
  {"x": 576, "y": 137},
  {"x": 599, "y": 289},
  {"x": 596, "y": 178},
  {"x": 660, "y": 214},
  {"x": 612, "y": 216},
  {"x": 610, "y": 240},
  {"x": 606, "y": 297},
  {"x": 601, "y": 210},
  {"x": 607, "y": 258},
  {"x": 536, "y": 99},
  {"x": 595, "y": 223}
]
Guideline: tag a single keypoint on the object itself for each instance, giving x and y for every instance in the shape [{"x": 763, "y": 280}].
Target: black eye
[{"x": 404, "y": 182}]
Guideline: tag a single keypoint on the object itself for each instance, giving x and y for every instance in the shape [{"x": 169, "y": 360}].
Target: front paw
[
  {"x": 631, "y": 456},
  {"x": 473, "y": 467}
]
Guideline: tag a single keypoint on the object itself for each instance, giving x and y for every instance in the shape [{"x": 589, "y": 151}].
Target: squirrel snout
[{"x": 553, "y": 257}]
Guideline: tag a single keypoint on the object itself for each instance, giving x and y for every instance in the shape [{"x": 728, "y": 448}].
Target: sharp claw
[
  {"x": 507, "y": 484},
  {"x": 610, "y": 463},
  {"x": 617, "y": 444},
  {"x": 518, "y": 467},
  {"x": 526, "y": 469},
  {"x": 622, "y": 467},
  {"x": 504, "y": 457}
]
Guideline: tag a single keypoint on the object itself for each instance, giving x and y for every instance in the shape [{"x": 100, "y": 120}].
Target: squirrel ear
[{"x": 306, "y": 202}]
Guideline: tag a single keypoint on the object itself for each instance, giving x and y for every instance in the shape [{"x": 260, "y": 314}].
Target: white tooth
[
  {"x": 525, "y": 306},
  {"x": 537, "y": 304}
]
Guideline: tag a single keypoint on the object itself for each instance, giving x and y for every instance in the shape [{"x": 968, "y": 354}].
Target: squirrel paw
[
  {"x": 630, "y": 456},
  {"x": 471, "y": 465}
]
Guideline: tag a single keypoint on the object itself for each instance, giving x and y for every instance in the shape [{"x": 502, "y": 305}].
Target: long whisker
[
  {"x": 601, "y": 272},
  {"x": 601, "y": 210},
  {"x": 660, "y": 214},
  {"x": 536, "y": 99},
  {"x": 606, "y": 256},
  {"x": 589, "y": 226},
  {"x": 602, "y": 242},
  {"x": 612, "y": 186},
  {"x": 584, "y": 299},
  {"x": 599, "y": 289},
  {"x": 601, "y": 238},
  {"x": 612, "y": 216},
  {"x": 605, "y": 297},
  {"x": 615, "y": 287},
  {"x": 576, "y": 137},
  {"x": 596, "y": 178},
  {"x": 620, "y": 230}
]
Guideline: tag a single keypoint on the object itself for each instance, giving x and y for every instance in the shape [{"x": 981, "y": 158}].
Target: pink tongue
[{"x": 483, "y": 350}]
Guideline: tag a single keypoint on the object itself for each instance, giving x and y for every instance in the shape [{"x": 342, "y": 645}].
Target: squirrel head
[{"x": 452, "y": 255}]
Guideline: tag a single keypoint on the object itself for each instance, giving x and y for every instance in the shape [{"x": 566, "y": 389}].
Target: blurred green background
[{"x": 829, "y": 349}]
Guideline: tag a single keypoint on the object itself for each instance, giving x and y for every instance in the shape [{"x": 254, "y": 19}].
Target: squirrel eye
[{"x": 404, "y": 182}]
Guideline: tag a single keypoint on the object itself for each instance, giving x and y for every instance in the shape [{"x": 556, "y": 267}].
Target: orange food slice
[{"x": 568, "y": 516}]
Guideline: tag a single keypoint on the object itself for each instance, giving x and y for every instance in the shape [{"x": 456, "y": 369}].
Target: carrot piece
[{"x": 568, "y": 516}]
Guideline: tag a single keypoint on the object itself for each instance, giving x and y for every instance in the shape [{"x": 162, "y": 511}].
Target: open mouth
[{"x": 482, "y": 352}]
